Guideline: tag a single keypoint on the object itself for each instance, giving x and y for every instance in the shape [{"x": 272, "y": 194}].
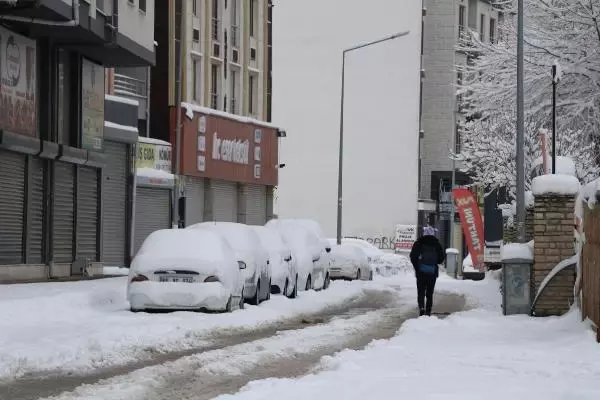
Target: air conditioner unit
[
  {"x": 235, "y": 56},
  {"x": 216, "y": 50}
]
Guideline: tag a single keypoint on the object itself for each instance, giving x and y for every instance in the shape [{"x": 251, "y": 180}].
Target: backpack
[
  {"x": 428, "y": 259},
  {"x": 427, "y": 269}
]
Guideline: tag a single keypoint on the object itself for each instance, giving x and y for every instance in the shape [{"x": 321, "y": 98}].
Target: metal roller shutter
[
  {"x": 35, "y": 230},
  {"x": 194, "y": 207},
  {"x": 114, "y": 199},
  {"x": 63, "y": 212},
  {"x": 152, "y": 212},
  {"x": 256, "y": 204},
  {"x": 87, "y": 214},
  {"x": 224, "y": 201},
  {"x": 12, "y": 203}
]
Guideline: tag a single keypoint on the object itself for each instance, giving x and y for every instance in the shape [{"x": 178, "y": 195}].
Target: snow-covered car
[
  {"x": 247, "y": 247},
  {"x": 373, "y": 252},
  {"x": 349, "y": 261},
  {"x": 179, "y": 269},
  {"x": 284, "y": 275},
  {"x": 309, "y": 251},
  {"x": 392, "y": 264}
]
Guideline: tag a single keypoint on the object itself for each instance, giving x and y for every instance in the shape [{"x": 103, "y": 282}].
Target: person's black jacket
[{"x": 427, "y": 250}]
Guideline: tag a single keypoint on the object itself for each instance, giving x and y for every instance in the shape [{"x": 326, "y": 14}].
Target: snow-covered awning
[{"x": 154, "y": 177}]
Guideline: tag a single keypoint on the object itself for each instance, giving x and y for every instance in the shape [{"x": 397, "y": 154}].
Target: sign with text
[
  {"x": 406, "y": 235},
  {"x": 154, "y": 156},
  {"x": 18, "y": 83},
  {"x": 470, "y": 217},
  {"x": 92, "y": 106}
]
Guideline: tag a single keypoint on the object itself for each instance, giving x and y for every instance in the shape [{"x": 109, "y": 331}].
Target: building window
[
  {"x": 462, "y": 21},
  {"x": 64, "y": 97},
  {"x": 253, "y": 21},
  {"x": 492, "y": 30},
  {"x": 195, "y": 80},
  {"x": 196, "y": 35},
  {"x": 252, "y": 95},
  {"x": 142, "y": 5},
  {"x": 214, "y": 86},
  {"x": 215, "y": 20},
  {"x": 195, "y": 7},
  {"x": 457, "y": 138},
  {"x": 482, "y": 27},
  {"x": 235, "y": 24},
  {"x": 234, "y": 82}
]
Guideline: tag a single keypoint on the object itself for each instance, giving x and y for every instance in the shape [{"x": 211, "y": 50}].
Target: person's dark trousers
[{"x": 425, "y": 288}]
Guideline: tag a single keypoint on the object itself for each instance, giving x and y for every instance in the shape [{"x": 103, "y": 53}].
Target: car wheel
[
  {"x": 256, "y": 299},
  {"x": 285, "y": 287},
  {"x": 327, "y": 282},
  {"x": 358, "y": 275},
  {"x": 295, "y": 291},
  {"x": 269, "y": 292},
  {"x": 371, "y": 276},
  {"x": 308, "y": 284},
  {"x": 241, "y": 305},
  {"x": 229, "y": 306},
  {"x": 135, "y": 310}
]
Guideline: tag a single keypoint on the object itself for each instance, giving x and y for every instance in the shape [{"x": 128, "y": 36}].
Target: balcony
[
  {"x": 215, "y": 29},
  {"x": 235, "y": 36},
  {"x": 130, "y": 87}
]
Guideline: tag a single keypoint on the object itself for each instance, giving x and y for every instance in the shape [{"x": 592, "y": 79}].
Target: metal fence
[{"x": 128, "y": 86}]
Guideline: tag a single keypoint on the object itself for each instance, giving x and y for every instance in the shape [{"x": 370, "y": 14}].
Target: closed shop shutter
[
  {"x": 12, "y": 203},
  {"x": 87, "y": 214},
  {"x": 194, "y": 206},
  {"x": 114, "y": 199},
  {"x": 35, "y": 229},
  {"x": 152, "y": 212},
  {"x": 224, "y": 201},
  {"x": 255, "y": 197},
  {"x": 63, "y": 212}
]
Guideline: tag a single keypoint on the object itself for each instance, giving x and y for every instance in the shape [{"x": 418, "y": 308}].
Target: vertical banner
[
  {"x": 92, "y": 107},
  {"x": 470, "y": 217}
]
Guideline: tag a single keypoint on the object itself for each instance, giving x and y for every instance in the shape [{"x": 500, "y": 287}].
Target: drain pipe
[{"x": 37, "y": 21}]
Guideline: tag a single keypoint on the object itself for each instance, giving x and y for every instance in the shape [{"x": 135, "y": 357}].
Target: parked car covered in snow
[
  {"x": 247, "y": 247},
  {"x": 308, "y": 249},
  {"x": 178, "y": 269},
  {"x": 284, "y": 275},
  {"x": 349, "y": 261},
  {"x": 373, "y": 252}
]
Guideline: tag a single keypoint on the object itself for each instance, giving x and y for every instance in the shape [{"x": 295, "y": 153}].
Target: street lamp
[
  {"x": 341, "y": 148},
  {"x": 520, "y": 150},
  {"x": 555, "y": 79}
]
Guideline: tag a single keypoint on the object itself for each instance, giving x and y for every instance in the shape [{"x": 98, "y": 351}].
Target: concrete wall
[{"x": 136, "y": 24}]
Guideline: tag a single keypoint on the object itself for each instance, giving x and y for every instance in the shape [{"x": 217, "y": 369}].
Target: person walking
[{"x": 426, "y": 255}]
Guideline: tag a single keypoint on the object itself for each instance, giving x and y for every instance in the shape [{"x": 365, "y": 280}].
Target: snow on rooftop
[
  {"x": 120, "y": 99},
  {"x": 522, "y": 251},
  {"x": 109, "y": 124},
  {"x": 143, "y": 139},
  {"x": 555, "y": 184},
  {"x": 191, "y": 108}
]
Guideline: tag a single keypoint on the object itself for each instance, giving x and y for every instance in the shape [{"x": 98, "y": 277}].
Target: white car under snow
[
  {"x": 349, "y": 261},
  {"x": 184, "y": 269}
]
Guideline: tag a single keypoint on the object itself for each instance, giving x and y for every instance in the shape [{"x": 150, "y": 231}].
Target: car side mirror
[
  {"x": 328, "y": 249},
  {"x": 242, "y": 265}
]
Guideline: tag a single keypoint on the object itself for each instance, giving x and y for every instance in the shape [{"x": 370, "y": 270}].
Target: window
[
  {"x": 253, "y": 18},
  {"x": 459, "y": 81},
  {"x": 492, "y": 30},
  {"x": 252, "y": 95},
  {"x": 142, "y": 5},
  {"x": 462, "y": 16},
  {"x": 196, "y": 35},
  {"x": 482, "y": 27},
  {"x": 195, "y": 7},
  {"x": 195, "y": 80},
  {"x": 214, "y": 86},
  {"x": 215, "y": 20},
  {"x": 457, "y": 138},
  {"x": 233, "y": 81},
  {"x": 235, "y": 23}
]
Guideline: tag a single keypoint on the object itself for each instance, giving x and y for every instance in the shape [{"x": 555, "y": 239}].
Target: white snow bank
[
  {"x": 467, "y": 356},
  {"x": 81, "y": 326},
  {"x": 587, "y": 194},
  {"x": 152, "y": 173},
  {"x": 191, "y": 108},
  {"x": 148, "y": 140},
  {"x": 517, "y": 251},
  {"x": 113, "y": 125},
  {"x": 115, "y": 271},
  {"x": 555, "y": 184}
]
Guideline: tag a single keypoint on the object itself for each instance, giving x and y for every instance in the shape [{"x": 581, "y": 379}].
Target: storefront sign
[
  {"x": 18, "y": 83},
  {"x": 92, "y": 106},
  {"x": 235, "y": 151},
  {"x": 470, "y": 217},
  {"x": 406, "y": 235},
  {"x": 153, "y": 156}
]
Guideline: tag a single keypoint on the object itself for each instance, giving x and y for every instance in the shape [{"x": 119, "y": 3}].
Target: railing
[
  {"x": 214, "y": 101},
  {"x": 234, "y": 106},
  {"x": 235, "y": 36},
  {"x": 215, "y": 25},
  {"x": 128, "y": 86}
]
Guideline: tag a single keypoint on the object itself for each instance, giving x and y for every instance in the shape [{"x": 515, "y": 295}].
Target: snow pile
[
  {"x": 555, "y": 184},
  {"x": 39, "y": 322},
  {"x": 588, "y": 193},
  {"x": 389, "y": 264},
  {"x": 115, "y": 271},
  {"x": 523, "y": 251}
]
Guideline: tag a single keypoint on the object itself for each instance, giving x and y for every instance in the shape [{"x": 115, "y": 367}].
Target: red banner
[{"x": 472, "y": 224}]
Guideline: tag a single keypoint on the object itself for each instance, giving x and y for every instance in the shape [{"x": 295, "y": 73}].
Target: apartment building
[
  {"x": 53, "y": 133},
  {"x": 219, "y": 53},
  {"x": 444, "y": 23}
]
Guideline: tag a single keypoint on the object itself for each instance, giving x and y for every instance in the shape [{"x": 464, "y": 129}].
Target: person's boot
[
  {"x": 428, "y": 312},
  {"x": 421, "y": 312}
]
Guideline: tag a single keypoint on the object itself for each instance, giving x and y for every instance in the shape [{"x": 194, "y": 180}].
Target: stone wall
[{"x": 553, "y": 235}]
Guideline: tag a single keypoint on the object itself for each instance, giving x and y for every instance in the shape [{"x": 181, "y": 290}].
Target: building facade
[
  {"x": 53, "y": 138},
  {"x": 444, "y": 23}
]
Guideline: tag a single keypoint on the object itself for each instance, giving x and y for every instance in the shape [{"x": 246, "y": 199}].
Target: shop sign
[
  {"x": 406, "y": 235},
  {"x": 470, "y": 217},
  {"x": 92, "y": 106},
  {"x": 234, "y": 151},
  {"x": 154, "y": 156},
  {"x": 18, "y": 83}
]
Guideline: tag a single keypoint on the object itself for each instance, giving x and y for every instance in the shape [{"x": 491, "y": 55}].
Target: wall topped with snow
[
  {"x": 519, "y": 251},
  {"x": 565, "y": 185}
]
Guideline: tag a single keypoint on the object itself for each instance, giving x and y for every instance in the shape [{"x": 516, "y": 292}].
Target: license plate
[{"x": 177, "y": 279}]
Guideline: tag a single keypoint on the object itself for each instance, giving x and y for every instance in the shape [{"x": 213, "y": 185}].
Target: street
[{"x": 288, "y": 348}]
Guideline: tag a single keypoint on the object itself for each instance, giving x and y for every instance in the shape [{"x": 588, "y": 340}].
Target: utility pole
[
  {"x": 178, "y": 99},
  {"x": 520, "y": 124}
]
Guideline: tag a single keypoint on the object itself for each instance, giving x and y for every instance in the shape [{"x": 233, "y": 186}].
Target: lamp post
[
  {"x": 520, "y": 125},
  {"x": 341, "y": 147},
  {"x": 555, "y": 79}
]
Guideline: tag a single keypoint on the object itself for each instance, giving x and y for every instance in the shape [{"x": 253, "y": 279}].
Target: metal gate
[
  {"x": 114, "y": 203},
  {"x": 255, "y": 197},
  {"x": 224, "y": 201},
  {"x": 194, "y": 207},
  {"x": 12, "y": 203},
  {"x": 63, "y": 212},
  {"x": 87, "y": 214},
  {"x": 152, "y": 212},
  {"x": 35, "y": 227}
]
